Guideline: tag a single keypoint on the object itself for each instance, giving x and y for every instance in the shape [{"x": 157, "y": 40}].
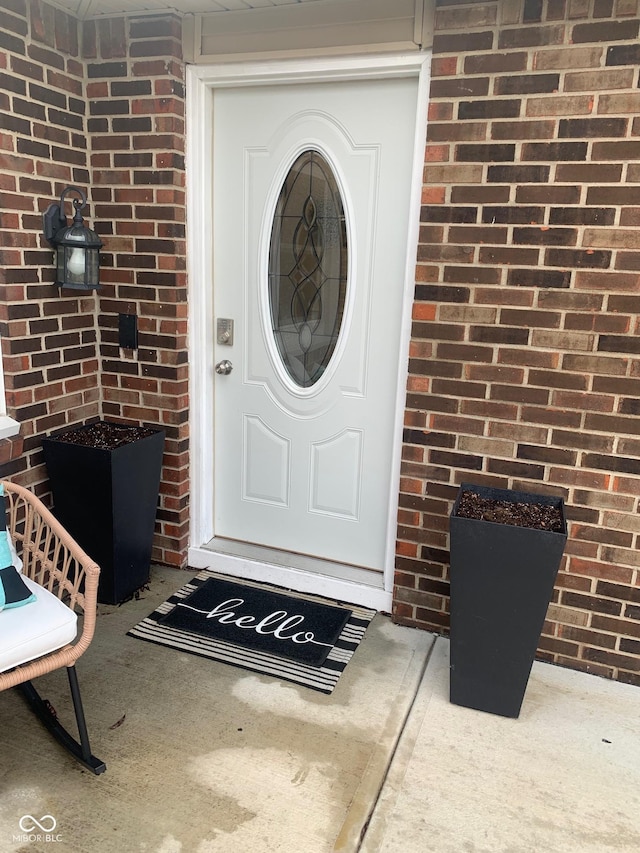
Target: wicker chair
[{"x": 67, "y": 581}]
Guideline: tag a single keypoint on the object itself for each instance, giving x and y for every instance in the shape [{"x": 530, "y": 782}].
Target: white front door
[
  {"x": 303, "y": 454},
  {"x": 296, "y": 482}
]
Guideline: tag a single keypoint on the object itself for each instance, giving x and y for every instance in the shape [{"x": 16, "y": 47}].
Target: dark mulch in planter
[
  {"x": 104, "y": 436},
  {"x": 538, "y": 516}
]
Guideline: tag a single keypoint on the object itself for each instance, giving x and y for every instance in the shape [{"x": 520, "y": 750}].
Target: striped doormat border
[{"x": 323, "y": 679}]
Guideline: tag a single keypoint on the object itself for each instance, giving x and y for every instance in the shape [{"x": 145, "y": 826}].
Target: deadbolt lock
[{"x": 224, "y": 331}]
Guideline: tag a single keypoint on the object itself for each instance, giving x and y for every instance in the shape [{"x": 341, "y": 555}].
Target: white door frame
[{"x": 201, "y": 80}]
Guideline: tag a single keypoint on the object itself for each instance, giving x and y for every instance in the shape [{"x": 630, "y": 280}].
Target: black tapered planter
[
  {"x": 107, "y": 499},
  {"x": 502, "y": 579}
]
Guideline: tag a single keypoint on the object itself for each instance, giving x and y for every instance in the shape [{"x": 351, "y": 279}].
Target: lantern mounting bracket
[
  {"x": 76, "y": 247},
  {"x": 54, "y": 217}
]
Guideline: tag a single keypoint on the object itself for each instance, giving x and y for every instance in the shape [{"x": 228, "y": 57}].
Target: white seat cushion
[{"x": 36, "y": 629}]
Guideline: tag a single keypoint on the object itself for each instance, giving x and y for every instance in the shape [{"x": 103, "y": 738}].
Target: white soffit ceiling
[
  {"x": 236, "y": 29},
  {"x": 100, "y": 8}
]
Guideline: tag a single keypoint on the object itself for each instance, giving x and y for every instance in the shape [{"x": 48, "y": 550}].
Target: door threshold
[{"x": 298, "y": 572}]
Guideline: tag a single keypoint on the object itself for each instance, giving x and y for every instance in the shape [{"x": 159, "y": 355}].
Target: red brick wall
[
  {"x": 100, "y": 106},
  {"x": 525, "y": 367},
  {"x": 525, "y": 358},
  {"x": 135, "y": 92},
  {"x": 48, "y": 341}
]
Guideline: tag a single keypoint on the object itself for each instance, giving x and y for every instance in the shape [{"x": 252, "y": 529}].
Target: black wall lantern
[{"x": 77, "y": 247}]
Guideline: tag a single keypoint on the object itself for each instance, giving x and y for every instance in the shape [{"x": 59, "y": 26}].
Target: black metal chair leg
[
  {"x": 79, "y": 710},
  {"x": 45, "y": 712}
]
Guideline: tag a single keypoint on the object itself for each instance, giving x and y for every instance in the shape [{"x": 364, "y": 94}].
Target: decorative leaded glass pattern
[{"x": 308, "y": 262}]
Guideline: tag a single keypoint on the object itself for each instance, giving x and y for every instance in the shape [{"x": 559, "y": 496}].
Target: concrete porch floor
[{"x": 205, "y": 758}]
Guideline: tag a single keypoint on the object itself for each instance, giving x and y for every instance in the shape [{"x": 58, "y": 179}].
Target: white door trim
[{"x": 201, "y": 80}]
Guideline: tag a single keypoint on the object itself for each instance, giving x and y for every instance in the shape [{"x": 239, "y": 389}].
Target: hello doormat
[{"x": 297, "y": 638}]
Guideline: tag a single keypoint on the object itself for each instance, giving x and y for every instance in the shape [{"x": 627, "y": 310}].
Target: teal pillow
[
  {"x": 13, "y": 590},
  {"x": 6, "y": 557}
]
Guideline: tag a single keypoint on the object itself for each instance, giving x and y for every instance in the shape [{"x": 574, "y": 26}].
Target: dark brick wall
[
  {"x": 49, "y": 341},
  {"x": 525, "y": 369},
  {"x": 101, "y": 106},
  {"x": 135, "y": 90}
]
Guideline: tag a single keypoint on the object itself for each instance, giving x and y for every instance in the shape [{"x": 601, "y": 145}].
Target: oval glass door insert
[{"x": 308, "y": 264}]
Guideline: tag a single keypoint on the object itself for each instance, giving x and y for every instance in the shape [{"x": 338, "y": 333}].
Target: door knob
[{"x": 224, "y": 368}]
